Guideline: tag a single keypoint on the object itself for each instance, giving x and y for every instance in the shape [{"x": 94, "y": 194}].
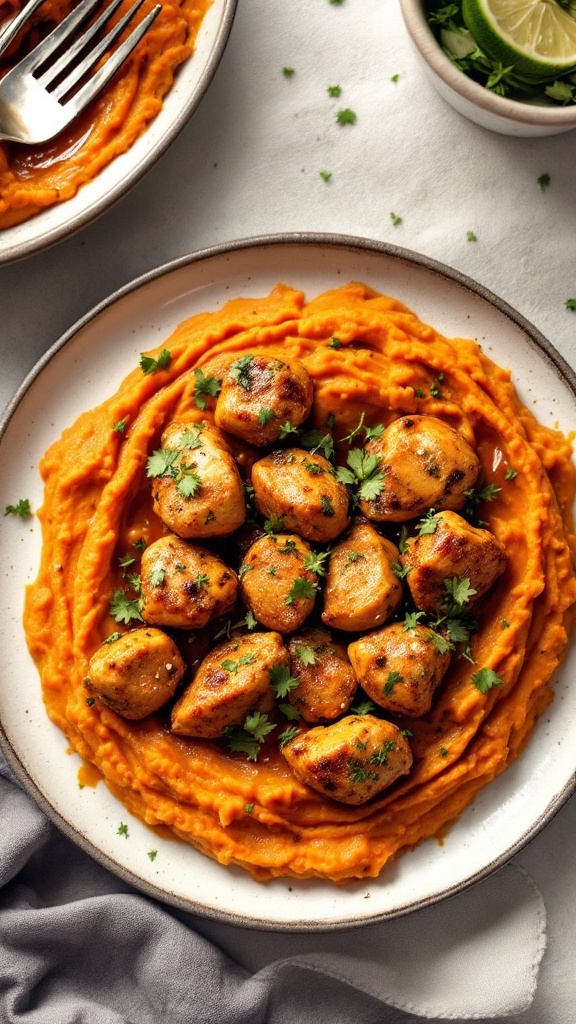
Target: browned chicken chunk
[
  {"x": 350, "y": 760},
  {"x": 399, "y": 667},
  {"x": 232, "y": 681},
  {"x": 362, "y": 589},
  {"x": 259, "y": 394},
  {"x": 136, "y": 673},
  {"x": 196, "y": 487},
  {"x": 426, "y": 464},
  {"x": 184, "y": 585},
  {"x": 455, "y": 550},
  {"x": 302, "y": 490},
  {"x": 275, "y": 582},
  {"x": 326, "y": 680}
]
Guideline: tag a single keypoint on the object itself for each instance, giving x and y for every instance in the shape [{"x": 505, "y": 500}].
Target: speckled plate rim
[
  {"x": 191, "y": 81},
  {"x": 287, "y": 904},
  {"x": 509, "y": 109}
]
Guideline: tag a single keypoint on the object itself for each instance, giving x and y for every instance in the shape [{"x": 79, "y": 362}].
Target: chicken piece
[
  {"x": 232, "y": 681},
  {"x": 136, "y": 673},
  {"x": 350, "y": 760},
  {"x": 301, "y": 489},
  {"x": 362, "y": 590},
  {"x": 426, "y": 464},
  {"x": 184, "y": 585},
  {"x": 400, "y": 668},
  {"x": 326, "y": 680},
  {"x": 259, "y": 394},
  {"x": 454, "y": 551},
  {"x": 275, "y": 583},
  {"x": 197, "y": 491}
]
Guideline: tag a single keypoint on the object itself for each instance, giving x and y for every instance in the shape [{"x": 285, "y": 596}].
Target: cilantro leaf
[
  {"x": 240, "y": 371},
  {"x": 22, "y": 509},
  {"x": 281, "y": 681},
  {"x": 301, "y": 589},
  {"x": 161, "y": 462},
  {"x": 189, "y": 483},
  {"x": 125, "y": 609},
  {"x": 485, "y": 679},
  {"x": 150, "y": 365},
  {"x": 203, "y": 386},
  {"x": 306, "y": 655},
  {"x": 288, "y": 735}
]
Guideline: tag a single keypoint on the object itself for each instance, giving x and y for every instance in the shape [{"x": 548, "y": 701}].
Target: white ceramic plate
[
  {"x": 85, "y": 367},
  {"x": 190, "y": 83}
]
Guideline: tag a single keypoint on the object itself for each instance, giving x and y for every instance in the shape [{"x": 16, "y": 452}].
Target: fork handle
[{"x": 14, "y": 26}]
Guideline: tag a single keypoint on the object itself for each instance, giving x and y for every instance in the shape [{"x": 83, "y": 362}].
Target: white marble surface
[{"x": 249, "y": 163}]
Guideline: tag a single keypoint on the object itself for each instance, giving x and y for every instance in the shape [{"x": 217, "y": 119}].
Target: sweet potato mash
[
  {"x": 488, "y": 636},
  {"x": 33, "y": 178}
]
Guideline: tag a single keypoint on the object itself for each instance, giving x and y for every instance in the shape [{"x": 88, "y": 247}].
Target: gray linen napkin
[{"x": 80, "y": 946}]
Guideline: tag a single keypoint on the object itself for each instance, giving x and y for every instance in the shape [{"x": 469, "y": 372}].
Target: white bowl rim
[{"x": 508, "y": 109}]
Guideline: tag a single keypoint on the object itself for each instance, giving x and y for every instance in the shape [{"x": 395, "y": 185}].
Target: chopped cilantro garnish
[
  {"x": 364, "y": 707},
  {"x": 287, "y": 736},
  {"x": 544, "y": 181},
  {"x": 510, "y": 473},
  {"x": 112, "y": 638},
  {"x": 265, "y": 416},
  {"x": 471, "y": 236},
  {"x": 281, "y": 681},
  {"x": 22, "y": 509},
  {"x": 152, "y": 854},
  {"x": 314, "y": 562},
  {"x": 149, "y": 365},
  {"x": 334, "y": 91},
  {"x": 485, "y": 679},
  {"x": 301, "y": 589},
  {"x": 325, "y": 175},
  {"x": 240, "y": 371},
  {"x": 429, "y": 523},
  {"x": 396, "y": 220},
  {"x": 381, "y": 756},
  {"x": 570, "y": 304},
  {"x": 157, "y": 577},
  {"x": 120, "y": 426},
  {"x": 326, "y": 506},
  {"x": 288, "y": 72},
  {"x": 393, "y": 678},
  {"x": 123, "y": 830},
  {"x": 275, "y": 524},
  {"x": 203, "y": 386},
  {"x": 125, "y": 609},
  {"x": 346, "y": 116},
  {"x": 247, "y": 739},
  {"x": 306, "y": 655}
]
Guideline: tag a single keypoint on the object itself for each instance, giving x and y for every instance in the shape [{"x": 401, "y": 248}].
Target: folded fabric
[{"x": 78, "y": 944}]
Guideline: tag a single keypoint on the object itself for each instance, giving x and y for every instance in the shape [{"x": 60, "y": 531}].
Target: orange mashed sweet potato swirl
[
  {"x": 33, "y": 178},
  {"x": 97, "y": 504}
]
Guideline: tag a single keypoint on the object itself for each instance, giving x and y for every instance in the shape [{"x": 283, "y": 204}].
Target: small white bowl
[{"x": 474, "y": 101}]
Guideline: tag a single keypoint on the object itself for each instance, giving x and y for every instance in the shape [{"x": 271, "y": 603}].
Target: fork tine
[
  {"x": 89, "y": 91},
  {"x": 60, "y": 65},
  {"x": 40, "y": 53},
  {"x": 13, "y": 27}
]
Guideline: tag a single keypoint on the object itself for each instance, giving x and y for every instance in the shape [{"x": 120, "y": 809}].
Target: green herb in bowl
[{"x": 523, "y": 49}]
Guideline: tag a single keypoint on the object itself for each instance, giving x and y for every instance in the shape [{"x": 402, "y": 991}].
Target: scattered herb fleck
[
  {"x": 22, "y": 509},
  {"x": 120, "y": 426},
  {"x": 544, "y": 181},
  {"x": 396, "y": 220},
  {"x": 471, "y": 236},
  {"x": 346, "y": 116}
]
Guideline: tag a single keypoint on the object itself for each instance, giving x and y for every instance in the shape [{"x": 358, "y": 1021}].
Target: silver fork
[{"x": 35, "y": 102}]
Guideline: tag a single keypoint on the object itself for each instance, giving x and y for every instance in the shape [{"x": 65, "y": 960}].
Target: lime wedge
[{"x": 536, "y": 37}]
